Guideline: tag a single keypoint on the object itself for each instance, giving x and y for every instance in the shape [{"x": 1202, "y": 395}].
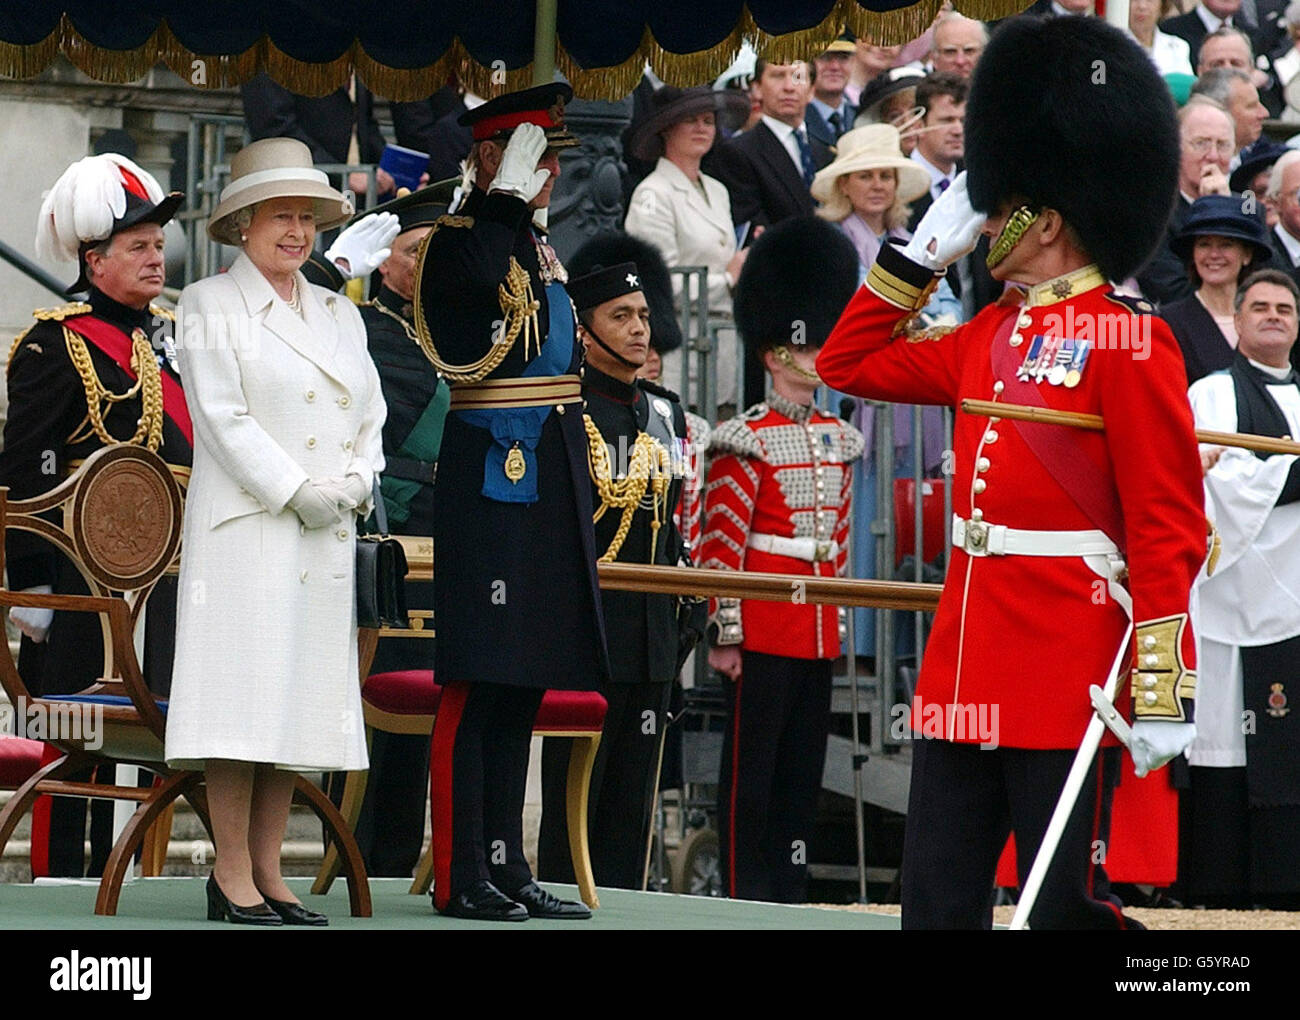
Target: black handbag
[{"x": 381, "y": 574}]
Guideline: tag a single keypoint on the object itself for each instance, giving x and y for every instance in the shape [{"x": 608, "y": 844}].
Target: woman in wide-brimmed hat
[
  {"x": 287, "y": 413},
  {"x": 1221, "y": 245},
  {"x": 686, "y": 214}
]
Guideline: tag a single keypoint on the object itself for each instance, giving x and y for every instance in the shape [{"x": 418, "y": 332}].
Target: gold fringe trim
[{"x": 891, "y": 28}]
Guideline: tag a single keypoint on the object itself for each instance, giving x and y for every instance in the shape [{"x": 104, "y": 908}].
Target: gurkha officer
[
  {"x": 636, "y": 432},
  {"x": 87, "y": 375}
]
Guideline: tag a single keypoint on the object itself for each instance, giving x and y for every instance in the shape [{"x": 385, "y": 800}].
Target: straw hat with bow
[
  {"x": 872, "y": 147},
  {"x": 275, "y": 168}
]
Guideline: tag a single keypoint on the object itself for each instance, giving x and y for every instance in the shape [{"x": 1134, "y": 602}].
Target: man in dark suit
[
  {"x": 768, "y": 169},
  {"x": 338, "y": 128},
  {"x": 1208, "y": 16},
  {"x": 427, "y": 125},
  {"x": 1285, "y": 235},
  {"x": 830, "y": 114},
  {"x": 1236, "y": 47}
]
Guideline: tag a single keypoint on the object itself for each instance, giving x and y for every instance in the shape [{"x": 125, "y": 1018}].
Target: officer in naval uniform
[
  {"x": 1061, "y": 535},
  {"x": 86, "y": 375}
]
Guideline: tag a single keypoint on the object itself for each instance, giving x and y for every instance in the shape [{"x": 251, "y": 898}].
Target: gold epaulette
[
  {"x": 159, "y": 312},
  {"x": 914, "y": 336},
  {"x": 61, "y": 312},
  {"x": 1161, "y": 680},
  {"x": 448, "y": 220}
]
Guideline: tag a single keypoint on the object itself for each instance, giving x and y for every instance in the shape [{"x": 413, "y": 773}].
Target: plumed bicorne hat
[
  {"x": 614, "y": 247},
  {"x": 1071, "y": 114},
  {"x": 93, "y": 199},
  {"x": 797, "y": 279}
]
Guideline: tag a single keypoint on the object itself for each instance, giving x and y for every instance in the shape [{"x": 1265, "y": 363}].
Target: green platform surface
[{"x": 178, "y": 903}]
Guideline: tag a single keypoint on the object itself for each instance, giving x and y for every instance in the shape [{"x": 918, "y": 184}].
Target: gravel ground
[{"x": 1158, "y": 920}]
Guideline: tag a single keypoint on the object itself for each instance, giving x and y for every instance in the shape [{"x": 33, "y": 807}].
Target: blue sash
[{"x": 523, "y": 425}]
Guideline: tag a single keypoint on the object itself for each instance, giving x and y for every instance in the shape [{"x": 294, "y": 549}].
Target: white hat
[
  {"x": 275, "y": 168},
  {"x": 872, "y": 147}
]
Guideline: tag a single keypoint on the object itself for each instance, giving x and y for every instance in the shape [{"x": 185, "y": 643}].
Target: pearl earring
[{"x": 243, "y": 237}]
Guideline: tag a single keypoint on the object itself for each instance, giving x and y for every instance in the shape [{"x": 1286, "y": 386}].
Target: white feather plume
[{"x": 84, "y": 202}]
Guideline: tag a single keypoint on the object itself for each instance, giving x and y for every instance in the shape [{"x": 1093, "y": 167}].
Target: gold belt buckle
[{"x": 977, "y": 537}]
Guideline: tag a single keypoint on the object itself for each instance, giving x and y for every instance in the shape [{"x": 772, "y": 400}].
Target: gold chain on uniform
[
  {"x": 380, "y": 307},
  {"x": 148, "y": 384},
  {"x": 518, "y": 305},
  {"x": 648, "y": 468}
]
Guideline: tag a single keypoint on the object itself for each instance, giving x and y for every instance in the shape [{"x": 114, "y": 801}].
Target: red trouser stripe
[
  {"x": 442, "y": 752},
  {"x": 40, "y": 855},
  {"x": 1096, "y": 831},
  {"x": 735, "y": 782}
]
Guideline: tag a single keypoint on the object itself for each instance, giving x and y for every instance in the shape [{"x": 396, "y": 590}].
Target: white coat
[
  {"x": 266, "y": 642},
  {"x": 668, "y": 210}
]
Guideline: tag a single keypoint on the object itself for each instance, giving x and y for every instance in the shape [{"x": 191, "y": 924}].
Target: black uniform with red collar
[{"x": 46, "y": 435}]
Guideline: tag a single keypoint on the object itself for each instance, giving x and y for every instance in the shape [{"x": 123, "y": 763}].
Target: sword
[{"x": 1073, "y": 784}]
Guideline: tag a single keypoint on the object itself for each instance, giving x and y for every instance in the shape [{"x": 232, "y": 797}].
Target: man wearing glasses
[
  {"x": 958, "y": 43},
  {"x": 1208, "y": 138}
]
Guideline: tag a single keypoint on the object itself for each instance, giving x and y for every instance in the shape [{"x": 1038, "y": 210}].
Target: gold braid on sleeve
[
  {"x": 649, "y": 467},
  {"x": 148, "y": 384}
]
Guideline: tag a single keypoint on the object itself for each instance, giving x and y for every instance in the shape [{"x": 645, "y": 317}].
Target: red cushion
[
  {"x": 413, "y": 692},
  {"x": 406, "y": 692},
  {"x": 571, "y": 710},
  {"x": 19, "y": 758}
]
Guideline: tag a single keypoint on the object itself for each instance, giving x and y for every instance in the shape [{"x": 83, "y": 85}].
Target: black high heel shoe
[
  {"x": 221, "y": 909},
  {"x": 296, "y": 913}
]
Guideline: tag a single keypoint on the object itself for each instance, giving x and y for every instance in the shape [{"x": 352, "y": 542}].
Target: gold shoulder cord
[
  {"x": 56, "y": 314},
  {"x": 518, "y": 305},
  {"x": 378, "y": 306},
  {"x": 148, "y": 383},
  {"x": 648, "y": 468}
]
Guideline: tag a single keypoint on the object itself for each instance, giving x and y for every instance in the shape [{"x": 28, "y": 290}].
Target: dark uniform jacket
[
  {"x": 47, "y": 408},
  {"x": 640, "y": 628},
  {"x": 409, "y": 383},
  {"x": 515, "y": 590}
]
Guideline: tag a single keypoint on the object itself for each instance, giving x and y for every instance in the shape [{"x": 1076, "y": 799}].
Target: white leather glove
[
  {"x": 317, "y": 504},
  {"x": 1154, "y": 743},
  {"x": 31, "y": 620},
  {"x": 518, "y": 173},
  {"x": 948, "y": 230},
  {"x": 364, "y": 246}
]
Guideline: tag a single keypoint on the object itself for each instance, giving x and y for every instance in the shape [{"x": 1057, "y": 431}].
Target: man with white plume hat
[{"x": 85, "y": 375}]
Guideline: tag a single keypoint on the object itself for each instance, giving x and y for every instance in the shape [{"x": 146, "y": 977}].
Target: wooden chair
[
  {"x": 121, "y": 529},
  {"x": 407, "y": 702}
]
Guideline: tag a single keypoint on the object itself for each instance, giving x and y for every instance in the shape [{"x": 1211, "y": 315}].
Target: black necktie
[
  {"x": 805, "y": 157},
  {"x": 834, "y": 120}
]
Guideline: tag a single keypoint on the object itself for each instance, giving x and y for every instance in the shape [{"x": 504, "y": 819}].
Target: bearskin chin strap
[
  {"x": 783, "y": 355},
  {"x": 1012, "y": 231}
]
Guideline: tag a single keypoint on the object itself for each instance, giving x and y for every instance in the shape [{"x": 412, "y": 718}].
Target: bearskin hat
[
  {"x": 614, "y": 247},
  {"x": 797, "y": 279},
  {"x": 1071, "y": 114}
]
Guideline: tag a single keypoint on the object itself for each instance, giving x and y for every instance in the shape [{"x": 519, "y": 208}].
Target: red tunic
[
  {"x": 778, "y": 470},
  {"x": 1024, "y": 636}
]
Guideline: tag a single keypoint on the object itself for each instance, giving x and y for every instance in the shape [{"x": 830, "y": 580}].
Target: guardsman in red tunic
[
  {"x": 1060, "y": 535},
  {"x": 777, "y": 500}
]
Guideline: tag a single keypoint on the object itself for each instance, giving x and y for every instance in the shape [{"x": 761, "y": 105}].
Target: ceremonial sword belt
[
  {"x": 1102, "y": 556},
  {"x": 500, "y": 394},
  {"x": 813, "y": 550}
]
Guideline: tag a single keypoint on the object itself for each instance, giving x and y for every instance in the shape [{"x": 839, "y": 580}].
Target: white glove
[
  {"x": 948, "y": 230},
  {"x": 352, "y": 488},
  {"x": 33, "y": 621},
  {"x": 518, "y": 174},
  {"x": 317, "y": 504},
  {"x": 1154, "y": 743},
  {"x": 364, "y": 246}
]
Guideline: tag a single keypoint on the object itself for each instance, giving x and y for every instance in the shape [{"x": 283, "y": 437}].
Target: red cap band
[{"x": 490, "y": 126}]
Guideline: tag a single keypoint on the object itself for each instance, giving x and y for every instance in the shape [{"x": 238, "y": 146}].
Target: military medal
[
  {"x": 515, "y": 466},
  {"x": 1031, "y": 359},
  {"x": 1277, "y": 706},
  {"x": 1075, "y": 371},
  {"x": 1064, "y": 355},
  {"x": 1048, "y": 357}
]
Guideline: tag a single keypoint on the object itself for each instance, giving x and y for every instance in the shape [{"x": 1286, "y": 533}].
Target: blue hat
[
  {"x": 1257, "y": 157},
  {"x": 1224, "y": 216}
]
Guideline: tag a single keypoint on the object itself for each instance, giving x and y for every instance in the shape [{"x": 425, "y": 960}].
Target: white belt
[
  {"x": 811, "y": 549},
  {"x": 979, "y": 538}
]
